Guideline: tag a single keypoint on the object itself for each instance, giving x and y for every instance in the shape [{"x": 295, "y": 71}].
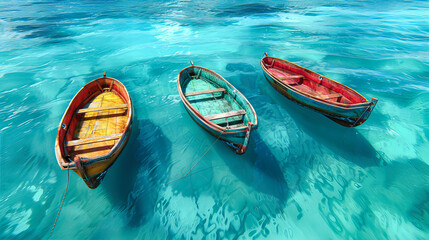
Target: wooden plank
[
  {"x": 236, "y": 126},
  {"x": 291, "y": 77},
  {"x": 290, "y": 81},
  {"x": 284, "y": 74},
  {"x": 306, "y": 89},
  {"x": 85, "y": 141},
  {"x": 86, "y": 110},
  {"x": 205, "y": 92},
  {"x": 99, "y": 86},
  {"x": 329, "y": 96},
  {"x": 111, "y": 85},
  {"x": 225, "y": 115}
]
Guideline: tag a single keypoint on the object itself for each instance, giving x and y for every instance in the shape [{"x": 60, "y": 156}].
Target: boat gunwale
[
  {"x": 61, "y": 159},
  {"x": 210, "y": 124},
  {"x": 338, "y": 105}
]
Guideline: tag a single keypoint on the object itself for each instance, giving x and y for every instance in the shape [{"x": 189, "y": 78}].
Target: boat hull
[
  {"x": 351, "y": 115},
  {"x": 94, "y": 129},
  {"x": 93, "y": 172},
  {"x": 236, "y": 137}
]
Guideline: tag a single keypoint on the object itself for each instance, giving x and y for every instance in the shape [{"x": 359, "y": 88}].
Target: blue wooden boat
[
  {"x": 217, "y": 106},
  {"x": 328, "y": 97}
]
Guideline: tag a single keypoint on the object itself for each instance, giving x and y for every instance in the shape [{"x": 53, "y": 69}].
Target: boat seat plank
[
  {"x": 85, "y": 141},
  {"x": 86, "y": 110},
  {"x": 205, "y": 92},
  {"x": 330, "y": 96},
  {"x": 283, "y": 75},
  {"x": 225, "y": 115},
  {"x": 292, "y": 77},
  {"x": 290, "y": 81},
  {"x": 306, "y": 89},
  {"x": 236, "y": 126}
]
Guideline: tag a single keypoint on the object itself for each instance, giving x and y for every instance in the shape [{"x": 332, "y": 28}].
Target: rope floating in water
[
  {"x": 62, "y": 202},
  {"x": 197, "y": 161}
]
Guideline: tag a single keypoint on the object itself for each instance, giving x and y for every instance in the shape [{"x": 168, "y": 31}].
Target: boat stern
[{"x": 241, "y": 149}]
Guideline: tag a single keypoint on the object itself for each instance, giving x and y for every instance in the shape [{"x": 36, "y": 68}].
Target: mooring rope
[
  {"x": 197, "y": 161},
  {"x": 62, "y": 202}
]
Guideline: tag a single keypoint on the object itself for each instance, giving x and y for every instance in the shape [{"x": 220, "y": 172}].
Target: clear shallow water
[{"x": 303, "y": 176}]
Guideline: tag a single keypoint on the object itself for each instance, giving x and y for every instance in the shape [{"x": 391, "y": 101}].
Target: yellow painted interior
[{"x": 98, "y": 124}]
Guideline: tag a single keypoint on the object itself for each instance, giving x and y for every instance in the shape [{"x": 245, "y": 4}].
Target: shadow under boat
[
  {"x": 134, "y": 181},
  {"x": 346, "y": 142},
  {"x": 258, "y": 168}
]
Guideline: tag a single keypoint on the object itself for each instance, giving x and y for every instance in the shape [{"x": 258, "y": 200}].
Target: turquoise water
[{"x": 302, "y": 177}]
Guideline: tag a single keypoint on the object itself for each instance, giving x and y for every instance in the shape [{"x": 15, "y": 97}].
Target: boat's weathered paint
[
  {"x": 236, "y": 138},
  {"x": 91, "y": 169},
  {"x": 349, "y": 115}
]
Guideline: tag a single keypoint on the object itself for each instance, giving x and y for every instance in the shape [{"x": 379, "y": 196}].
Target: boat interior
[
  {"x": 97, "y": 125},
  {"x": 214, "y": 102},
  {"x": 310, "y": 83}
]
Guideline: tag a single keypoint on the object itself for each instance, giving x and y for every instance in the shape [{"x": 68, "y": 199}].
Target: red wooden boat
[
  {"x": 334, "y": 100},
  {"x": 94, "y": 129}
]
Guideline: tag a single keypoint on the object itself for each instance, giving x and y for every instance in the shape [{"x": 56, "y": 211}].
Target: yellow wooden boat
[{"x": 94, "y": 129}]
